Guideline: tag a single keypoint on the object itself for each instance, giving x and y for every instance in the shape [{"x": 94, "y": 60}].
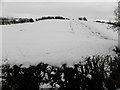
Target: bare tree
[
  {"x": 118, "y": 23},
  {"x": 117, "y": 13}
]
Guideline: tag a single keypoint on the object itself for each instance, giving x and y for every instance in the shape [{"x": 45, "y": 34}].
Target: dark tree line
[
  {"x": 115, "y": 24},
  {"x": 52, "y": 17},
  {"x": 94, "y": 73},
  {"x": 7, "y": 21}
]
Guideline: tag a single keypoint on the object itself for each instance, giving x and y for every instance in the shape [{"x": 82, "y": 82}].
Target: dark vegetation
[
  {"x": 8, "y": 21},
  {"x": 115, "y": 24},
  {"x": 94, "y": 73},
  {"x": 52, "y": 17},
  {"x": 117, "y": 50},
  {"x": 82, "y": 18}
]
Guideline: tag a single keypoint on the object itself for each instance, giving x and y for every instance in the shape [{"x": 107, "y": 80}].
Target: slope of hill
[{"x": 56, "y": 41}]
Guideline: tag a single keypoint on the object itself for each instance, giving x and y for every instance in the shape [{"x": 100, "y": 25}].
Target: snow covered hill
[{"x": 56, "y": 41}]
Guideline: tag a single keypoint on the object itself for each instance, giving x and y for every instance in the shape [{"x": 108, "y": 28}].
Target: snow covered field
[{"x": 56, "y": 41}]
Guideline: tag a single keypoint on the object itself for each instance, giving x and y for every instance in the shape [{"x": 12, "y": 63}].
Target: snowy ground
[{"x": 56, "y": 41}]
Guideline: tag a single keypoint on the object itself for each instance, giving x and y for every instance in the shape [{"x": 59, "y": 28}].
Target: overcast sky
[
  {"x": 92, "y": 10},
  {"x": 59, "y": 0}
]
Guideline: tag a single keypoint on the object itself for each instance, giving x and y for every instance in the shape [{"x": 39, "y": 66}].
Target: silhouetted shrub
[
  {"x": 84, "y": 18},
  {"x": 31, "y": 20},
  {"x": 94, "y": 73},
  {"x": 98, "y": 21},
  {"x": 80, "y": 18},
  {"x": 117, "y": 50}
]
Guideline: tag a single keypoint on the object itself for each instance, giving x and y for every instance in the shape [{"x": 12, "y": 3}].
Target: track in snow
[{"x": 56, "y": 41}]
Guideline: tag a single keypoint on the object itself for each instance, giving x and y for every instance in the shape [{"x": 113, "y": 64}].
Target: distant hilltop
[
  {"x": 12, "y": 20},
  {"x": 52, "y": 17}
]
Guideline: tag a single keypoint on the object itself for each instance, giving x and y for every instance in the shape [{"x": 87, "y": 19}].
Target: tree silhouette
[{"x": 94, "y": 73}]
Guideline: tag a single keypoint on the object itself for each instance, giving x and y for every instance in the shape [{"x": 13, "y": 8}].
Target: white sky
[
  {"x": 92, "y": 10},
  {"x": 59, "y": 0}
]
